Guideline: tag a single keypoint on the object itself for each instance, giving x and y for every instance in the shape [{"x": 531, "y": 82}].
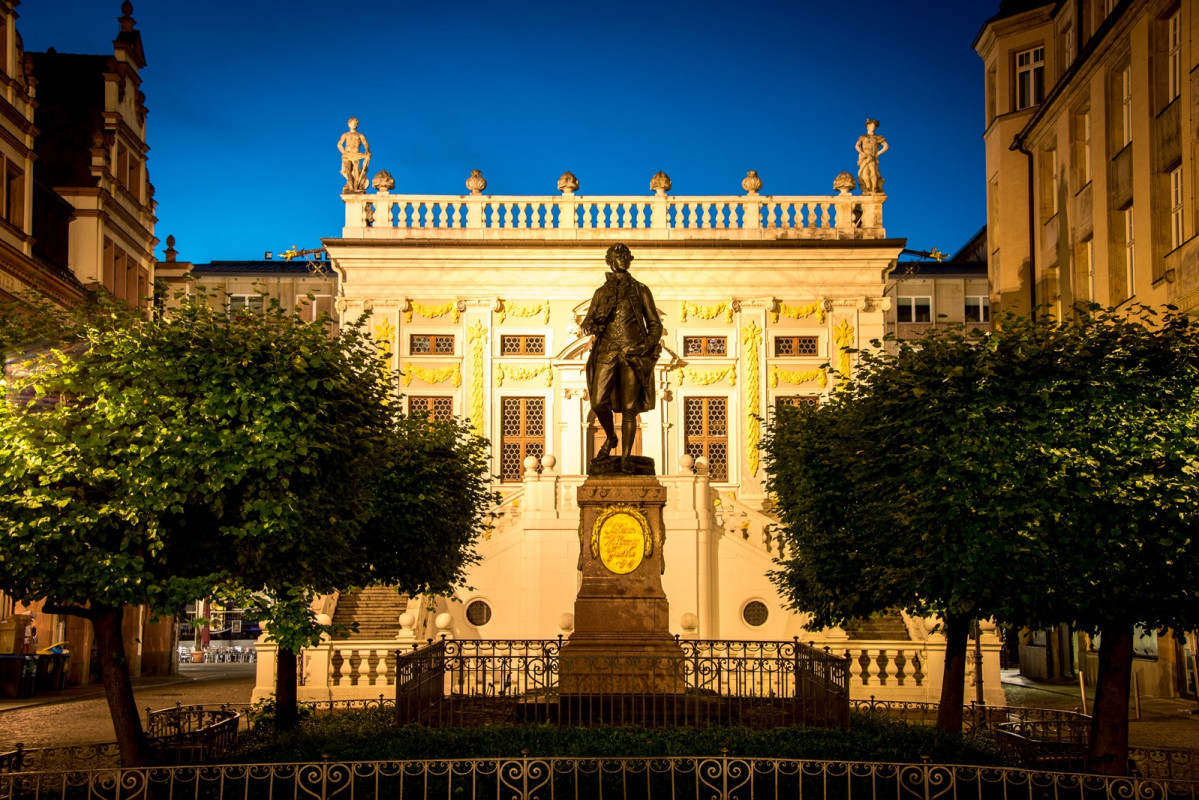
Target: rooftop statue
[
  {"x": 620, "y": 369},
  {"x": 870, "y": 146},
  {"x": 355, "y": 158}
]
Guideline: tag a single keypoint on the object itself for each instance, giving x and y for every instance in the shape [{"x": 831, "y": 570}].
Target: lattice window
[
  {"x": 431, "y": 344},
  {"x": 478, "y": 613},
  {"x": 705, "y": 346},
  {"x": 797, "y": 400},
  {"x": 522, "y": 345},
  {"x": 706, "y": 427},
  {"x": 596, "y": 436},
  {"x": 796, "y": 345},
  {"x": 435, "y": 408},
  {"x": 522, "y": 434},
  {"x": 755, "y": 613}
]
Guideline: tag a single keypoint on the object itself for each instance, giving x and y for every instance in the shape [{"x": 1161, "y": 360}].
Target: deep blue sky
[{"x": 247, "y": 101}]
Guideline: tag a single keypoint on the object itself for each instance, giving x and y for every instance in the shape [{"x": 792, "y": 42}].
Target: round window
[
  {"x": 754, "y": 613},
  {"x": 478, "y": 613}
]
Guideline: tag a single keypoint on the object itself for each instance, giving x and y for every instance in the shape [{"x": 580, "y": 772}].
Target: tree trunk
[
  {"x": 953, "y": 681},
  {"x": 118, "y": 689},
  {"x": 1108, "y": 750},
  {"x": 286, "y": 713}
]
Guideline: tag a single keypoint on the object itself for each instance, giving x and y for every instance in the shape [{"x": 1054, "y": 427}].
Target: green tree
[
  {"x": 151, "y": 460},
  {"x": 1019, "y": 475}
]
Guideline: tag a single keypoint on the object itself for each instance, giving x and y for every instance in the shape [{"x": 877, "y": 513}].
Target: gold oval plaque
[{"x": 621, "y": 539}]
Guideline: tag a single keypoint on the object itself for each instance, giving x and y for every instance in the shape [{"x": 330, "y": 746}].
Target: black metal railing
[
  {"x": 760, "y": 684},
  {"x": 720, "y": 777},
  {"x": 191, "y": 734}
]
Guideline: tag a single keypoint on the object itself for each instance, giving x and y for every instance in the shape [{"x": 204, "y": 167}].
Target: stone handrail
[{"x": 385, "y": 215}]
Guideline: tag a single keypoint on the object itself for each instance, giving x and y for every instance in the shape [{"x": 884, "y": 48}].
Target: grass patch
[{"x": 370, "y": 736}]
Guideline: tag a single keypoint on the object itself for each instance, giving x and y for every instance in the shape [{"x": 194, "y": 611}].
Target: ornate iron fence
[
  {"x": 526, "y": 778},
  {"x": 191, "y": 734},
  {"x": 760, "y": 684}
]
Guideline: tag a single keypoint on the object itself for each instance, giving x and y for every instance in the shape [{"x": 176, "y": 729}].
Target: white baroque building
[{"x": 477, "y": 300}]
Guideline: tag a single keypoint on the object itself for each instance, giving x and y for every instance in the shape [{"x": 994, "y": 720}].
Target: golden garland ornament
[
  {"x": 431, "y": 312},
  {"x": 524, "y": 310},
  {"x": 751, "y": 337},
  {"x": 708, "y": 377},
  {"x": 843, "y": 335},
  {"x": 503, "y": 371},
  {"x": 797, "y": 376},
  {"x": 476, "y": 335},
  {"x": 797, "y": 312},
  {"x": 431, "y": 375},
  {"x": 707, "y": 312}
]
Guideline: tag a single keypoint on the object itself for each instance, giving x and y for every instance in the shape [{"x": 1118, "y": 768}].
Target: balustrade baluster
[
  {"x": 900, "y": 662},
  {"x": 364, "y": 668},
  {"x": 343, "y": 678},
  {"x": 381, "y": 668},
  {"x": 873, "y": 666}
]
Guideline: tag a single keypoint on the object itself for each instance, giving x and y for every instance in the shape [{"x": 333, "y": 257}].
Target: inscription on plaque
[{"x": 621, "y": 539}]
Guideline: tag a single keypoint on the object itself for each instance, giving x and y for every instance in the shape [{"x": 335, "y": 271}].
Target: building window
[
  {"x": 1176, "y": 208},
  {"x": 755, "y": 613},
  {"x": 913, "y": 309},
  {"x": 1049, "y": 181},
  {"x": 245, "y": 302},
  {"x": 14, "y": 195},
  {"x": 522, "y": 434},
  {"x": 478, "y": 613},
  {"x": 423, "y": 344},
  {"x": 1030, "y": 77},
  {"x": 1125, "y": 106},
  {"x": 1085, "y": 159},
  {"x": 796, "y": 345},
  {"x": 1086, "y": 268},
  {"x": 705, "y": 346},
  {"x": 436, "y": 409},
  {"x": 706, "y": 429},
  {"x": 1129, "y": 252},
  {"x": 797, "y": 401},
  {"x": 1174, "y": 57},
  {"x": 311, "y": 308},
  {"x": 522, "y": 345},
  {"x": 978, "y": 309}
]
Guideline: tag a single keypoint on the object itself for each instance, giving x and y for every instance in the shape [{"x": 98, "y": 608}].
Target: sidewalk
[
  {"x": 1165, "y": 722},
  {"x": 79, "y": 715}
]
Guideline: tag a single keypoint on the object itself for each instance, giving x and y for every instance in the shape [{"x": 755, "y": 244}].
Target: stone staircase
[
  {"x": 886, "y": 626},
  {"x": 376, "y": 609}
]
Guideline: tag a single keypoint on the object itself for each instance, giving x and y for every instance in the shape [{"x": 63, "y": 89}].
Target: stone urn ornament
[
  {"x": 660, "y": 183},
  {"x": 752, "y": 184},
  {"x": 383, "y": 182},
  {"x": 475, "y": 182},
  {"x": 568, "y": 183},
  {"x": 844, "y": 183}
]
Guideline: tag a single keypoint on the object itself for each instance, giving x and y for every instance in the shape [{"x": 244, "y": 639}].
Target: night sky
[{"x": 247, "y": 101}]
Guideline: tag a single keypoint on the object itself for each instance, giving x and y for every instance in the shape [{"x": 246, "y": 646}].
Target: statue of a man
[
  {"x": 620, "y": 369},
  {"x": 870, "y": 146},
  {"x": 355, "y": 158}
]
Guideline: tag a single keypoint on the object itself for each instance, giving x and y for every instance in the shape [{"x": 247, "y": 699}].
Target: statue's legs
[
  {"x": 604, "y": 417},
  {"x": 629, "y": 390}
]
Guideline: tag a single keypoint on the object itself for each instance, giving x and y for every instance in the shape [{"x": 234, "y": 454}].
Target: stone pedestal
[{"x": 621, "y": 642}]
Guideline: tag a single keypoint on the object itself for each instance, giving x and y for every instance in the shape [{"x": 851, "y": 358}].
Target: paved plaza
[{"x": 80, "y": 716}]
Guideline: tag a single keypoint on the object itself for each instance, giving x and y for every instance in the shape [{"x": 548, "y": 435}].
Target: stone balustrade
[{"x": 386, "y": 215}]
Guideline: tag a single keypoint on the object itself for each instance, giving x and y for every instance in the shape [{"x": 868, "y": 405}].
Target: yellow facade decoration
[
  {"x": 431, "y": 375},
  {"x": 797, "y": 376},
  {"x": 525, "y": 310},
  {"x": 708, "y": 377},
  {"x": 707, "y": 312},
  {"x": 432, "y": 312},
  {"x": 751, "y": 337},
  {"x": 476, "y": 335},
  {"x": 384, "y": 333},
  {"x": 515, "y": 373},
  {"x": 798, "y": 312},
  {"x": 843, "y": 335},
  {"x": 621, "y": 538}
]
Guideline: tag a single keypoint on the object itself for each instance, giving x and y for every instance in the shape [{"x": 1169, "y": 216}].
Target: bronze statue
[{"x": 620, "y": 369}]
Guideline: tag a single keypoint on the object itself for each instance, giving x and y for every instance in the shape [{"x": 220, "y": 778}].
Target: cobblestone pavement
[{"x": 80, "y": 716}]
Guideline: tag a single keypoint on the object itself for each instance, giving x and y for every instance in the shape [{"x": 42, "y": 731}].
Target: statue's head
[
  {"x": 871, "y": 124},
  {"x": 619, "y": 257},
  {"x": 353, "y": 123}
]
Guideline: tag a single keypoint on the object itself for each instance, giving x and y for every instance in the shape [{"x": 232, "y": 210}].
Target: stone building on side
[
  {"x": 76, "y": 214},
  {"x": 1092, "y": 159}
]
